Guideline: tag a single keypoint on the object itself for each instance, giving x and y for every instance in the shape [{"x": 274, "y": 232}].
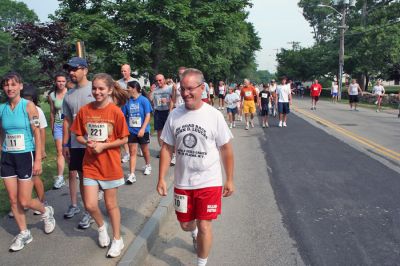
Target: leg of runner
[
  {"x": 146, "y": 155},
  {"x": 204, "y": 240},
  {"x": 132, "y": 163},
  {"x": 59, "y": 182},
  {"x": 11, "y": 185},
  {"x": 111, "y": 200}
]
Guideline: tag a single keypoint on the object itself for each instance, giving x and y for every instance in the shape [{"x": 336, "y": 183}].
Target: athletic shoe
[
  {"x": 125, "y": 158},
  {"x": 247, "y": 126},
  {"x": 48, "y": 219},
  {"x": 104, "y": 239},
  {"x": 284, "y": 124},
  {"x": 116, "y": 248},
  {"x": 252, "y": 124},
  {"x": 230, "y": 125},
  {"x": 58, "y": 182},
  {"x": 86, "y": 221},
  {"x": 377, "y": 110},
  {"x": 100, "y": 195},
  {"x": 234, "y": 125},
  {"x": 131, "y": 179},
  {"x": 38, "y": 212},
  {"x": 240, "y": 119},
  {"x": 21, "y": 240},
  {"x": 173, "y": 160},
  {"x": 263, "y": 125},
  {"x": 312, "y": 108},
  {"x": 10, "y": 214},
  {"x": 266, "y": 125},
  {"x": 140, "y": 152},
  {"x": 147, "y": 169},
  {"x": 72, "y": 210},
  {"x": 280, "y": 124}
]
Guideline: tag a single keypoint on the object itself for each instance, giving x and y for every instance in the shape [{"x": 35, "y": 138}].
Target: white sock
[
  {"x": 201, "y": 262},
  {"x": 103, "y": 227},
  {"x": 194, "y": 232}
]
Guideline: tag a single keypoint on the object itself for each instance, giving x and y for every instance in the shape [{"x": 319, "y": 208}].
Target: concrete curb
[{"x": 138, "y": 250}]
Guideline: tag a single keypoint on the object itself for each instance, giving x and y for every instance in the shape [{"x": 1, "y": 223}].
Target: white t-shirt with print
[
  {"x": 283, "y": 92},
  {"x": 197, "y": 136},
  {"x": 378, "y": 90}
]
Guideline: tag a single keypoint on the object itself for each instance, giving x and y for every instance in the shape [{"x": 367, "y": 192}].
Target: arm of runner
[
  {"x": 99, "y": 147},
  {"x": 144, "y": 125},
  {"x": 165, "y": 159},
  {"x": 226, "y": 151},
  {"x": 66, "y": 136},
  {"x": 51, "y": 113},
  {"x": 290, "y": 98},
  {"x": 35, "y": 124},
  {"x": 173, "y": 97}
]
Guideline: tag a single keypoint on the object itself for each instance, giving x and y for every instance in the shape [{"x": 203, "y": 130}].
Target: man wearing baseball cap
[{"x": 73, "y": 151}]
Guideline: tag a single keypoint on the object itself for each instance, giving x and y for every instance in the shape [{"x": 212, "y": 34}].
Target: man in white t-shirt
[
  {"x": 283, "y": 101},
  {"x": 199, "y": 134}
]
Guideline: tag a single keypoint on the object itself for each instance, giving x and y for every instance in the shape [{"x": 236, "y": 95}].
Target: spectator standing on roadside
[
  {"x": 55, "y": 99},
  {"x": 74, "y": 151},
  {"x": 334, "y": 91},
  {"x": 354, "y": 90},
  {"x": 239, "y": 105},
  {"x": 379, "y": 91},
  {"x": 315, "y": 92},
  {"x": 202, "y": 140},
  {"x": 176, "y": 90},
  {"x": 283, "y": 101}
]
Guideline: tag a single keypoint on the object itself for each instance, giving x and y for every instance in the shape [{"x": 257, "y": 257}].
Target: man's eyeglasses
[{"x": 183, "y": 89}]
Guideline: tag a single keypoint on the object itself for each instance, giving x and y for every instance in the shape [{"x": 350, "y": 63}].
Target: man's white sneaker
[
  {"x": 247, "y": 127},
  {"x": 252, "y": 124},
  {"x": 58, "y": 182},
  {"x": 21, "y": 240},
  {"x": 280, "y": 124},
  {"x": 234, "y": 124},
  {"x": 263, "y": 125},
  {"x": 125, "y": 158},
  {"x": 173, "y": 160},
  {"x": 131, "y": 179},
  {"x": 284, "y": 124},
  {"x": 48, "y": 220},
  {"x": 116, "y": 248},
  {"x": 147, "y": 169},
  {"x": 104, "y": 239},
  {"x": 266, "y": 125}
]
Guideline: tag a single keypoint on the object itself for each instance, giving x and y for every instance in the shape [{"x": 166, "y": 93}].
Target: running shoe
[
  {"x": 48, "y": 219},
  {"x": 125, "y": 158},
  {"x": 10, "y": 214},
  {"x": 252, "y": 124},
  {"x": 230, "y": 125},
  {"x": 280, "y": 124},
  {"x": 173, "y": 160},
  {"x": 86, "y": 221},
  {"x": 263, "y": 125},
  {"x": 59, "y": 182},
  {"x": 284, "y": 124},
  {"x": 21, "y": 240},
  {"x": 234, "y": 124},
  {"x": 72, "y": 210},
  {"x": 147, "y": 169},
  {"x": 140, "y": 152},
  {"x": 100, "y": 195},
  {"x": 104, "y": 239},
  {"x": 247, "y": 127},
  {"x": 266, "y": 125},
  {"x": 131, "y": 179},
  {"x": 116, "y": 248}
]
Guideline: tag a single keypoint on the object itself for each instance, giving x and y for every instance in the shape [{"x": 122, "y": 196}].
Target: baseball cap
[
  {"x": 272, "y": 80},
  {"x": 76, "y": 62}
]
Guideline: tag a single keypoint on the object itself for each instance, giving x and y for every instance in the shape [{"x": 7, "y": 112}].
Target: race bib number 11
[{"x": 15, "y": 142}]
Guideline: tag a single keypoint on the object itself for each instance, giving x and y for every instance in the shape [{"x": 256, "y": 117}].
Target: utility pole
[{"x": 341, "y": 52}]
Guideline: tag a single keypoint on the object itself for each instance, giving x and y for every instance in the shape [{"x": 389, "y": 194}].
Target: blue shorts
[
  {"x": 283, "y": 108},
  {"x": 103, "y": 184},
  {"x": 58, "y": 131},
  {"x": 160, "y": 117},
  {"x": 231, "y": 110},
  {"x": 334, "y": 94}
]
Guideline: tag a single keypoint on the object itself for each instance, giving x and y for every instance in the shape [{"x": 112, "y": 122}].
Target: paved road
[{"x": 337, "y": 201}]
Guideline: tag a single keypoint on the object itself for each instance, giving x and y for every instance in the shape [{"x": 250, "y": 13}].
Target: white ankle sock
[
  {"x": 201, "y": 262},
  {"x": 194, "y": 232}
]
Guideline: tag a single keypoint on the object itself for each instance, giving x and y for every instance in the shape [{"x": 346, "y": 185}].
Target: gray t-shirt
[
  {"x": 123, "y": 83},
  {"x": 73, "y": 101},
  {"x": 162, "y": 98}
]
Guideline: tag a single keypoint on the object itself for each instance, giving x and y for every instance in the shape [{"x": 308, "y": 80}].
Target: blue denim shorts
[
  {"x": 103, "y": 184},
  {"x": 58, "y": 131}
]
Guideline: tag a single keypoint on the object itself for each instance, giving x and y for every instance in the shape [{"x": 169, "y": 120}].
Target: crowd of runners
[{"x": 98, "y": 125}]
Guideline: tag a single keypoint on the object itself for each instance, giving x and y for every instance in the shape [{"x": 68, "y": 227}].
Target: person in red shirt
[
  {"x": 101, "y": 126},
  {"x": 315, "y": 92},
  {"x": 248, "y": 95}
]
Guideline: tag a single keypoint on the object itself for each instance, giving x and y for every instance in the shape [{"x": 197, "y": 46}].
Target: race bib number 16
[
  {"x": 180, "y": 203},
  {"x": 97, "y": 131}
]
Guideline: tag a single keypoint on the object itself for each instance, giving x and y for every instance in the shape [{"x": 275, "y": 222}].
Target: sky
[{"x": 277, "y": 22}]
